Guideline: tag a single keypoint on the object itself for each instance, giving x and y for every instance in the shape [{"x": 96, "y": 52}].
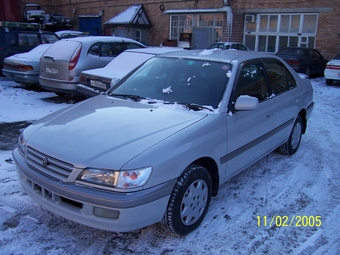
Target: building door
[
  {"x": 202, "y": 37},
  {"x": 91, "y": 24}
]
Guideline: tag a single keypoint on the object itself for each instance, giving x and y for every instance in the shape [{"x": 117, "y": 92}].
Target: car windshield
[{"x": 172, "y": 80}]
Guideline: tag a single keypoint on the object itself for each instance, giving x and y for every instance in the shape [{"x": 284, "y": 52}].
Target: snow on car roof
[{"x": 219, "y": 55}]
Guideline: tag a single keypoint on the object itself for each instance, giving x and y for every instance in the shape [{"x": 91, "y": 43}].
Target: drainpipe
[{"x": 229, "y": 21}]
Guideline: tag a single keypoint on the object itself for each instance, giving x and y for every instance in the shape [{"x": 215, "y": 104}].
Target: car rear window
[
  {"x": 62, "y": 49},
  {"x": 298, "y": 52}
]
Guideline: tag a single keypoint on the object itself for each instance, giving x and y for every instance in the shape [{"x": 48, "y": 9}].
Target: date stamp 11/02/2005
[{"x": 289, "y": 221}]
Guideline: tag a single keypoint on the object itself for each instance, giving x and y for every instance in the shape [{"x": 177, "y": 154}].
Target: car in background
[
  {"x": 34, "y": 13},
  {"x": 229, "y": 46},
  {"x": 160, "y": 143},
  {"x": 62, "y": 63},
  {"x": 304, "y": 60},
  {"x": 65, "y": 34},
  {"x": 18, "y": 37},
  {"x": 332, "y": 70},
  {"x": 99, "y": 80},
  {"x": 57, "y": 19},
  {"x": 24, "y": 68}
]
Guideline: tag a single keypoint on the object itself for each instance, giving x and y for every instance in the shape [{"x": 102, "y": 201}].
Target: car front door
[
  {"x": 285, "y": 100},
  {"x": 249, "y": 132}
]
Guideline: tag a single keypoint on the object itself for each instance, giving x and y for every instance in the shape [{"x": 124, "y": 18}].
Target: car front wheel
[
  {"x": 291, "y": 146},
  {"x": 189, "y": 201}
]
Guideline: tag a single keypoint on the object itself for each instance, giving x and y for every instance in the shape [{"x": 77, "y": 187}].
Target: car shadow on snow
[{"x": 67, "y": 99}]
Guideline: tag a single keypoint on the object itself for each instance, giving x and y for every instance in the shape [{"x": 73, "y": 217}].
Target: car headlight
[
  {"x": 22, "y": 144},
  {"x": 116, "y": 179}
]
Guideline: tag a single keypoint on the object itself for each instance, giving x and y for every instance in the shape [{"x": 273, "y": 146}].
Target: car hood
[
  {"x": 106, "y": 74},
  {"x": 105, "y": 132}
]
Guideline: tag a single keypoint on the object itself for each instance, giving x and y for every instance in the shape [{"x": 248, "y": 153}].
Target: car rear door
[
  {"x": 249, "y": 132},
  {"x": 110, "y": 50}
]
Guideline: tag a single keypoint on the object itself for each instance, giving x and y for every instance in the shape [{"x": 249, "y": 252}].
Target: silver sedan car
[
  {"x": 62, "y": 63},
  {"x": 158, "y": 145}
]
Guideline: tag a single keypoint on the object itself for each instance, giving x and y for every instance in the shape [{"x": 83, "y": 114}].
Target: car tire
[
  {"x": 329, "y": 81},
  {"x": 292, "y": 145},
  {"x": 189, "y": 201},
  {"x": 308, "y": 72},
  {"x": 60, "y": 94}
]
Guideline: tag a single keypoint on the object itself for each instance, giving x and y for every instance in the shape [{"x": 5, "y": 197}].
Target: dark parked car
[
  {"x": 18, "y": 37},
  {"x": 304, "y": 60},
  {"x": 62, "y": 63}
]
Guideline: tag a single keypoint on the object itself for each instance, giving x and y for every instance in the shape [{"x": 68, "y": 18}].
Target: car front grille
[{"x": 47, "y": 165}]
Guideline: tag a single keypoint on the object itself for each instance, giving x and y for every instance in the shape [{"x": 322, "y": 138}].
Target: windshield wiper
[
  {"x": 133, "y": 97},
  {"x": 196, "y": 107}
]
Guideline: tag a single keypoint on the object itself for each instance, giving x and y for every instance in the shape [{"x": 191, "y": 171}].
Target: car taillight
[
  {"x": 82, "y": 78},
  {"x": 25, "y": 68},
  {"x": 294, "y": 62},
  {"x": 74, "y": 58},
  {"x": 332, "y": 67}
]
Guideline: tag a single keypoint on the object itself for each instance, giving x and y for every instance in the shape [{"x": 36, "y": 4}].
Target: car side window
[
  {"x": 112, "y": 49},
  {"x": 279, "y": 77},
  {"x": 28, "y": 39},
  {"x": 130, "y": 45},
  {"x": 314, "y": 54},
  {"x": 94, "y": 49},
  {"x": 251, "y": 82},
  {"x": 242, "y": 47},
  {"x": 10, "y": 39}
]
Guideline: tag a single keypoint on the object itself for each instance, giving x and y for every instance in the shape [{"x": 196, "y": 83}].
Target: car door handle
[{"x": 269, "y": 115}]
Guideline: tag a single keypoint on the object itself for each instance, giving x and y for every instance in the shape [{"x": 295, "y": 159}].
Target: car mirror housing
[{"x": 246, "y": 103}]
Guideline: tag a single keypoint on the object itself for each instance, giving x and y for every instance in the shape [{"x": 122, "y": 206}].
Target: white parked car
[
  {"x": 158, "y": 145},
  {"x": 99, "y": 80},
  {"x": 332, "y": 70}
]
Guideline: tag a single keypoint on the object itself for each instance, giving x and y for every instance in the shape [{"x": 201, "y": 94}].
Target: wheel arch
[
  {"x": 209, "y": 164},
  {"x": 303, "y": 114}
]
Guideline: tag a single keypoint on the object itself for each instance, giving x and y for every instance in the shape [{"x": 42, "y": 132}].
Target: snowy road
[{"x": 280, "y": 205}]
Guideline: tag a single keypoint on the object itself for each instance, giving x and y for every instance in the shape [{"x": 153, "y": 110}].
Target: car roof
[
  {"x": 226, "y": 43},
  {"x": 155, "y": 50},
  {"x": 220, "y": 55},
  {"x": 90, "y": 39}
]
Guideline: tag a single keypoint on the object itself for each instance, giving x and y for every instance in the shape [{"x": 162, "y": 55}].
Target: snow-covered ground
[{"x": 280, "y": 205}]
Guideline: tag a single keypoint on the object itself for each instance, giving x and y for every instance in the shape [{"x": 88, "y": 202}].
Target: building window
[
  {"x": 184, "y": 23},
  {"x": 138, "y": 35},
  {"x": 272, "y": 32}
]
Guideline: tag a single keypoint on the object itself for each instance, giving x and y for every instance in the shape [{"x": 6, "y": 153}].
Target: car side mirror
[{"x": 246, "y": 103}]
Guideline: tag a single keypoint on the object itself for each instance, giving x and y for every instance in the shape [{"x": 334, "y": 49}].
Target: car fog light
[{"x": 105, "y": 213}]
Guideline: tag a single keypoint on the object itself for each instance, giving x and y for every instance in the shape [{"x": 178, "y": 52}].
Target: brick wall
[{"x": 327, "y": 41}]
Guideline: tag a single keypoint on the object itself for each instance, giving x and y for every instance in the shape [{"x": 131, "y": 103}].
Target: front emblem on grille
[{"x": 44, "y": 162}]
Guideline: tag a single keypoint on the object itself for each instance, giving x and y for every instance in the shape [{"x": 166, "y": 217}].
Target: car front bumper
[{"x": 101, "y": 209}]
